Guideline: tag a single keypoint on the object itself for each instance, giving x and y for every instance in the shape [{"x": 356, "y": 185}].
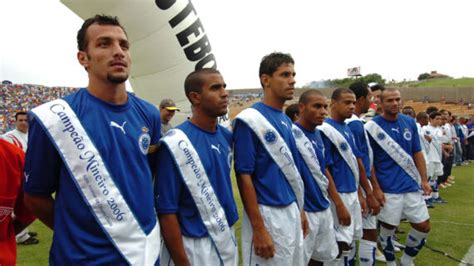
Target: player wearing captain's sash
[
  {"x": 193, "y": 189},
  {"x": 401, "y": 171},
  {"x": 320, "y": 244},
  {"x": 345, "y": 172},
  {"x": 267, "y": 171},
  {"x": 368, "y": 243},
  {"x": 91, "y": 150}
]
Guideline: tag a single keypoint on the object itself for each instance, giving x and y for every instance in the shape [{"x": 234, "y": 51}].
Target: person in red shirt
[{"x": 12, "y": 160}]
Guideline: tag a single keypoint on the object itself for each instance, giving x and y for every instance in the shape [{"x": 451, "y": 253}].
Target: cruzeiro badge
[
  {"x": 144, "y": 141},
  {"x": 270, "y": 136}
]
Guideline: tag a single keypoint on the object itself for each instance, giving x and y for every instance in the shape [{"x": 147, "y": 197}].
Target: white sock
[
  {"x": 435, "y": 195},
  {"x": 386, "y": 236},
  {"x": 415, "y": 241},
  {"x": 367, "y": 252}
]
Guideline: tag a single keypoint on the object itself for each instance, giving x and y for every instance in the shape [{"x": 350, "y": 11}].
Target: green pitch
[{"x": 452, "y": 226}]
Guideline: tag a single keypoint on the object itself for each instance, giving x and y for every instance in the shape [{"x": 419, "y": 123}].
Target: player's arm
[
  {"x": 378, "y": 193},
  {"x": 374, "y": 206},
  {"x": 41, "y": 206},
  {"x": 262, "y": 240},
  {"x": 171, "y": 233},
  {"x": 341, "y": 210},
  {"x": 421, "y": 166}
]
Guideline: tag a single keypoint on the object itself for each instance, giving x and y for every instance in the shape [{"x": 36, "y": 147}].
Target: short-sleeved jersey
[
  {"x": 342, "y": 174},
  {"x": 357, "y": 128},
  {"x": 172, "y": 194},
  {"x": 314, "y": 200},
  {"x": 252, "y": 158},
  {"x": 11, "y": 199},
  {"x": 122, "y": 134},
  {"x": 392, "y": 178}
]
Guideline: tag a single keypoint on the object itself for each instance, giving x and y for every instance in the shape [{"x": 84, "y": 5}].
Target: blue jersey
[
  {"x": 118, "y": 133},
  {"x": 172, "y": 194},
  {"x": 314, "y": 200},
  {"x": 357, "y": 128},
  {"x": 392, "y": 178},
  {"x": 339, "y": 169},
  {"x": 252, "y": 158}
]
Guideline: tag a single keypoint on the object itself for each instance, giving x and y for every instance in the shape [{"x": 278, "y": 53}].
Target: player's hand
[
  {"x": 374, "y": 205},
  {"x": 363, "y": 206},
  {"x": 379, "y": 196},
  {"x": 263, "y": 243},
  {"x": 304, "y": 224},
  {"x": 426, "y": 188},
  {"x": 343, "y": 215}
]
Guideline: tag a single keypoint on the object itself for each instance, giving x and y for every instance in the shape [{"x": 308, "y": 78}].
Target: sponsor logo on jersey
[{"x": 121, "y": 127}]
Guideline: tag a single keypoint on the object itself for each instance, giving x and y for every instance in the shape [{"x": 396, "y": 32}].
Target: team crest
[
  {"x": 270, "y": 136},
  {"x": 297, "y": 133},
  {"x": 381, "y": 136},
  {"x": 343, "y": 146},
  {"x": 407, "y": 134},
  {"x": 5, "y": 212},
  {"x": 144, "y": 141}
]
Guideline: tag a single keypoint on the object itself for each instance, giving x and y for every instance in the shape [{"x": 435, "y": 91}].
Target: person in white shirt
[
  {"x": 19, "y": 135},
  {"x": 19, "y": 138}
]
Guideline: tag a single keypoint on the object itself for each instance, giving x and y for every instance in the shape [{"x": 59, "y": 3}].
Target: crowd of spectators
[{"x": 24, "y": 97}]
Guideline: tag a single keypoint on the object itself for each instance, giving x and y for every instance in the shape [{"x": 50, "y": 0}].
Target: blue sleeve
[
  {"x": 416, "y": 138},
  {"x": 156, "y": 134},
  {"x": 168, "y": 183},
  {"x": 245, "y": 154},
  {"x": 327, "y": 150},
  {"x": 43, "y": 163},
  {"x": 359, "y": 138}
]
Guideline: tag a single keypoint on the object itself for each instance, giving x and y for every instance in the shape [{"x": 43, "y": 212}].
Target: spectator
[
  {"x": 167, "y": 110},
  {"x": 292, "y": 112}
]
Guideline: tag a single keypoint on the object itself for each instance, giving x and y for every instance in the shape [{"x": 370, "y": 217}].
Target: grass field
[
  {"x": 446, "y": 83},
  {"x": 452, "y": 226}
]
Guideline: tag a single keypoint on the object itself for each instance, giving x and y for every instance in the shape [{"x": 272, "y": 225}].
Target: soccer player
[
  {"x": 11, "y": 201},
  {"x": 401, "y": 171},
  {"x": 320, "y": 244},
  {"x": 368, "y": 243},
  {"x": 91, "y": 150},
  {"x": 19, "y": 137},
  {"x": 193, "y": 189},
  {"x": 267, "y": 172},
  {"x": 344, "y": 173}
]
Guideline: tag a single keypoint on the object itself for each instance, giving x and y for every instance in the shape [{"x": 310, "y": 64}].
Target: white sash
[
  {"x": 344, "y": 148},
  {"x": 87, "y": 168},
  {"x": 305, "y": 147},
  {"x": 194, "y": 175},
  {"x": 276, "y": 148},
  {"x": 393, "y": 149},
  {"x": 371, "y": 152}
]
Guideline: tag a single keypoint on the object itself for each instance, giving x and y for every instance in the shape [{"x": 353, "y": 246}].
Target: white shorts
[
  {"x": 200, "y": 251},
  {"x": 284, "y": 225},
  {"x": 434, "y": 169},
  {"x": 409, "y": 205},
  {"x": 352, "y": 232},
  {"x": 369, "y": 222},
  {"x": 320, "y": 244}
]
